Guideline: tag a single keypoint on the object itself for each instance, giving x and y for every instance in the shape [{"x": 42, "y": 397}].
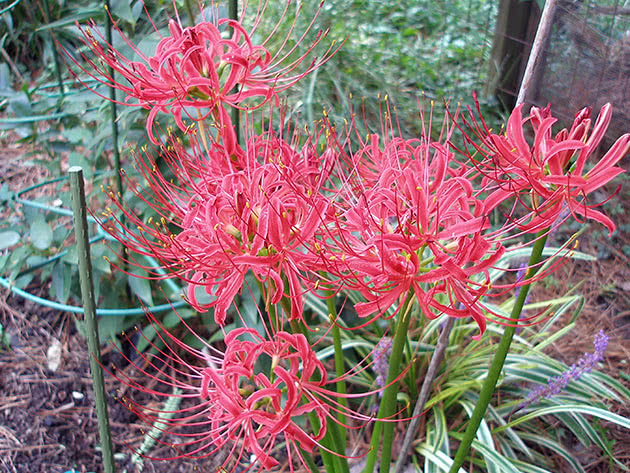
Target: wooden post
[{"x": 509, "y": 49}]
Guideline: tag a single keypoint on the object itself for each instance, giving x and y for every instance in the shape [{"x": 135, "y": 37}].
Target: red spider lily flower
[
  {"x": 222, "y": 219},
  {"x": 244, "y": 401},
  {"x": 552, "y": 171},
  {"x": 412, "y": 222},
  {"x": 198, "y": 67},
  {"x": 257, "y": 407}
]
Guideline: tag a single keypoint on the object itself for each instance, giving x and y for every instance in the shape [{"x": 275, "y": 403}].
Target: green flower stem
[
  {"x": 411, "y": 376},
  {"x": 339, "y": 363},
  {"x": 387, "y": 407},
  {"x": 112, "y": 106},
  {"x": 189, "y": 12},
  {"x": 235, "y": 112},
  {"x": 489, "y": 384},
  {"x": 332, "y": 440},
  {"x": 89, "y": 308},
  {"x": 330, "y": 465}
]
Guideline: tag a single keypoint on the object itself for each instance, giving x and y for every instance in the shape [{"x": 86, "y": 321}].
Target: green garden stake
[{"x": 89, "y": 308}]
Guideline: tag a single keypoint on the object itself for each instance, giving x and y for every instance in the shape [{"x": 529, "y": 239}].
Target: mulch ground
[{"x": 47, "y": 419}]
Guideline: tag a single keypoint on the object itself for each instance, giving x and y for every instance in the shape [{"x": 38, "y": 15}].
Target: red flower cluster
[
  {"x": 245, "y": 400},
  {"x": 415, "y": 226},
  {"x": 201, "y": 68},
  {"x": 550, "y": 175},
  {"x": 250, "y": 405},
  {"x": 259, "y": 213}
]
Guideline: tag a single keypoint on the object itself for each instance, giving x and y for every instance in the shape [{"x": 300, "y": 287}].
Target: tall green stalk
[
  {"x": 490, "y": 383},
  {"x": 112, "y": 104},
  {"x": 235, "y": 112},
  {"x": 339, "y": 364},
  {"x": 387, "y": 407},
  {"x": 333, "y": 439},
  {"x": 89, "y": 311}
]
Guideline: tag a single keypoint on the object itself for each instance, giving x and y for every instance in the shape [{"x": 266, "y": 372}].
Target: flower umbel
[
  {"x": 201, "y": 67},
  {"x": 550, "y": 175}
]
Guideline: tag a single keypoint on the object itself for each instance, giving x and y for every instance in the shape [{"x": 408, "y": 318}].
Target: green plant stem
[
  {"x": 387, "y": 407},
  {"x": 339, "y": 364},
  {"x": 330, "y": 465},
  {"x": 235, "y": 112},
  {"x": 112, "y": 105},
  {"x": 490, "y": 383},
  {"x": 332, "y": 440},
  {"x": 89, "y": 308}
]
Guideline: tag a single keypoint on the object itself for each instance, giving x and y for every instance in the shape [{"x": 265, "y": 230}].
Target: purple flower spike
[
  {"x": 558, "y": 383},
  {"x": 381, "y": 361}
]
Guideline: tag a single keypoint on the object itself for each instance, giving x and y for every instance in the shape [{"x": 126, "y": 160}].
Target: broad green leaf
[
  {"x": 140, "y": 285},
  {"x": 61, "y": 280},
  {"x": 122, "y": 10},
  {"x": 80, "y": 15},
  {"x": 174, "y": 318},
  {"x": 249, "y": 300},
  {"x": 41, "y": 235},
  {"x": 8, "y": 239},
  {"x": 77, "y": 159},
  {"x": 98, "y": 253},
  {"x": 77, "y": 135},
  {"x": 3, "y": 261},
  {"x": 110, "y": 327}
]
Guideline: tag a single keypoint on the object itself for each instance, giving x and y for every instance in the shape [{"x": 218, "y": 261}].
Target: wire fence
[{"x": 586, "y": 61}]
